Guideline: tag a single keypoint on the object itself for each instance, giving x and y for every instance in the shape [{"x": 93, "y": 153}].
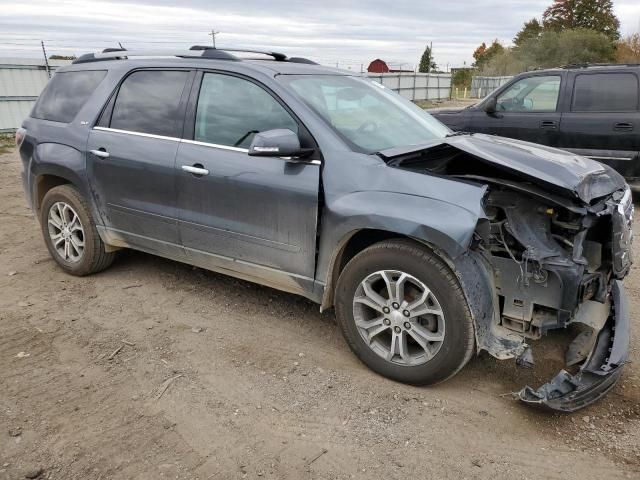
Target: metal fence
[
  {"x": 483, "y": 86},
  {"x": 21, "y": 81},
  {"x": 416, "y": 86}
]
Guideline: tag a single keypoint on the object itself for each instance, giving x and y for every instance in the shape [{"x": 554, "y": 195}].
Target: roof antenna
[
  {"x": 213, "y": 37},
  {"x": 121, "y": 46}
]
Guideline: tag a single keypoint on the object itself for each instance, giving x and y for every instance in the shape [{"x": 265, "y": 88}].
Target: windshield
[{"x": 368, "y": 116}]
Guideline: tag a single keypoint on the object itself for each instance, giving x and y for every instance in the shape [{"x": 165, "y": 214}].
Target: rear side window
[
  {"x": 605, "y": 92},
  {"x": 65, "y": 95},
  {"x": 148, "y": 102}
]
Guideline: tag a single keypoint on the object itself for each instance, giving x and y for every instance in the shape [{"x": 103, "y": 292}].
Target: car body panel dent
[
  {"x": 557, "y": 168},
  {"x": 366, "y": 194}
]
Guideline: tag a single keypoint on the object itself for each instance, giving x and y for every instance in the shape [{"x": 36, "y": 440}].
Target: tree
[
  {"x": 462, "y": 77},
  {"x": 588, "y": 14},
  {"x": 530, "y": 29},
  {"x": 552, "y": 49},
  {"x": 483, "y": 54},
  {"x": 427, "y": 64},
  {"x": 628, "y": 49}
]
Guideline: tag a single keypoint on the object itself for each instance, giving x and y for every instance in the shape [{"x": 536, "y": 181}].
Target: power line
[{"x": 213, "y": 37}]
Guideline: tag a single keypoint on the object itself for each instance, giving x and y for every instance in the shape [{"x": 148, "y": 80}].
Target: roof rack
[
  {"x": 196, "y": 51},
  {"x": 588, "y": 65}
]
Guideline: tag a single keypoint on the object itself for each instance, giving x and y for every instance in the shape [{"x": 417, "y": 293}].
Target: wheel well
[
  {"x": 44, "y": 183},
  {"x": 354, "y": 245}
]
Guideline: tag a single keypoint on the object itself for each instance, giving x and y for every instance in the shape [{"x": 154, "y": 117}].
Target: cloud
[{"x": 350, "y": 32}]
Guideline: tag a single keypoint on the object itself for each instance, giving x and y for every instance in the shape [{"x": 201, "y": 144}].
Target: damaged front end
[
  {"x": 554, "y": 265},
  {"x": 547, "y": 256}
]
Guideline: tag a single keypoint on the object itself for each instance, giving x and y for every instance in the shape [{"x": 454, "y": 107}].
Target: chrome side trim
[
  {"x": 194, "y": 142},
  {"x": 609, "y": 158},
  {"x": 215, "y": 145},
  {"x": 137, "y": 134}
]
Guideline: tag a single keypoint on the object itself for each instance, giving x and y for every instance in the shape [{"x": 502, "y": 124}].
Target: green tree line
[{"x": 569, "y": 32}]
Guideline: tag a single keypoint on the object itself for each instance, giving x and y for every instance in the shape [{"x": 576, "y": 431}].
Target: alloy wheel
[
  {"x": 66, "y": 232},
  {"x": 399, "y": 317}
]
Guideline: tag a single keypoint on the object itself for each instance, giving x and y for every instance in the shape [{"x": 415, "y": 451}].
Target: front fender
[{"x": 446, "y": 226}]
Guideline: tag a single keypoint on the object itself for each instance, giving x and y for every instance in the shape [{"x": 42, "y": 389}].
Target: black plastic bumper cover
[{"x": 601, "y": 370}]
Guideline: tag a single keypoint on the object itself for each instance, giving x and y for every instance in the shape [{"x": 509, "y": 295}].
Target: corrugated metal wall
[
  {"x": 416, "y": 86},
  {"x": 21, "y": 81},
  {"x": 483, "y": 86}
]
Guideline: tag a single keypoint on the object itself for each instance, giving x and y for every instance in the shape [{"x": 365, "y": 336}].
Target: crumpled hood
[{"x": 561, "y": 170}]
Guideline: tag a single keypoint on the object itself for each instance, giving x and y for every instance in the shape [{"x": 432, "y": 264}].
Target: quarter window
[
  {"x": 231, "y": 110},
  {"x": 532, "y": 94},
  {"x": 65, "y": 95},
  {"x": 605, "y": 92},
  {"x": 148, "y": 102}
]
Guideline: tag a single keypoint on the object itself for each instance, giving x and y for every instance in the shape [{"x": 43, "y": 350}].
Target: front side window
[
  {"x": 65, "y": 95},
  {"x": 605, "y": 92},
  {"x": 367, "y": 116},
  {"x": 148, "y": 102},
  {"x": 231, "y": 110},
  {"x": 532, "y": 94}
]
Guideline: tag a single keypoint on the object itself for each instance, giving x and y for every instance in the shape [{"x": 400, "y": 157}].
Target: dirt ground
[{"x": 154, "y": 369}]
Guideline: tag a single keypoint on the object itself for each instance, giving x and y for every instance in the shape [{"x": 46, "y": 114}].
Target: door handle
[
  {"x": 623, "y": 126},
  {"x": 102, "y": 153},
  {"x": 196, "y": 169},
  {"x": 550, "y": 124}
]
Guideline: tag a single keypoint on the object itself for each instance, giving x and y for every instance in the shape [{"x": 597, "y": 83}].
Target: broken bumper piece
[{"x": 600, "y": 371}]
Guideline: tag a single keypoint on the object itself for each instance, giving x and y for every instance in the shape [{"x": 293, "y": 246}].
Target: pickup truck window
[
  {"x": 531, "y": 94},
  {"x": 231, "y": 110},
  {"x": 367, "y": 116},
  {"x": 605, "y": 92}
]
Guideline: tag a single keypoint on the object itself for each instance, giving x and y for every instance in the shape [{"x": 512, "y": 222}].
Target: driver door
[
  {"x": 254, "y": 216},
  {"x": 526, "y": 110}
]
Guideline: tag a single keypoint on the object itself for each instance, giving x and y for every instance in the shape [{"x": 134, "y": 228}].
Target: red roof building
[{"x": 380, "y": 66}]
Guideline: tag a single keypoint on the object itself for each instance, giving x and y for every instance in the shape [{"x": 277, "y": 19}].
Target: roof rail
[
  {"x": 279, "y": 57},
  {"x": 196, "y": 51},
  {"x": 588, "y": 65},
  {"x": 122, "y": 53}
]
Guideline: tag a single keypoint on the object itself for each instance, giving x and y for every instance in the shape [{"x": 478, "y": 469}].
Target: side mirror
[
  {"x": 281, "y": 142},
  {"x": 491, "y": 105}
]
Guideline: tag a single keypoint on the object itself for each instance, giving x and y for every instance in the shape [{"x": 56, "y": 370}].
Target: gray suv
[{"x": 431, "y": 245}]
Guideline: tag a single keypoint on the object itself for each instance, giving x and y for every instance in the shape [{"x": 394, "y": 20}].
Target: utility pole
[
  {"x": 46, "y": 60},
  {"x": 213, "y": 37}
]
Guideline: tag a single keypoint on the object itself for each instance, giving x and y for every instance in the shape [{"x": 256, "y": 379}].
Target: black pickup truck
[{"x": 591, "y": 110}]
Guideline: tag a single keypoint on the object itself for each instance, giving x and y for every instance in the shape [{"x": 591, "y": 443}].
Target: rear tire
[
  {"x": 403, "y": 313},
  {"x": 70, "y": 232}
]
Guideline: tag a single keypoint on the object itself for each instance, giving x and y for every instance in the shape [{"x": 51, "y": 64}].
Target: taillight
[{"x": 21, "y": 133}]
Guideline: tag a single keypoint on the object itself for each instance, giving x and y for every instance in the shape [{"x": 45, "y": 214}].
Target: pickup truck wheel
[
  {"x": 70, "y": 232},
  {"x": 403, "y": 313}
]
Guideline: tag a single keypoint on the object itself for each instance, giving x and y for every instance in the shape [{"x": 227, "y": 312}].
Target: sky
[{"x": 349, "y": 33}]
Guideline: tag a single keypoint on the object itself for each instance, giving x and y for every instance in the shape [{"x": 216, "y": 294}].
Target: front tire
[
  {"x": 70, "y": 232},
  {"x": 403, "y": 313}
]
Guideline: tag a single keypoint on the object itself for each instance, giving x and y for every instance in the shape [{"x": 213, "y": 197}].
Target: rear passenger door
[
  {"x": 255, "y": 216},
  {"x": 526, "y": 110},
  {"x": 131, "y": 160},
  {"x": 603, "y": 119}
]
